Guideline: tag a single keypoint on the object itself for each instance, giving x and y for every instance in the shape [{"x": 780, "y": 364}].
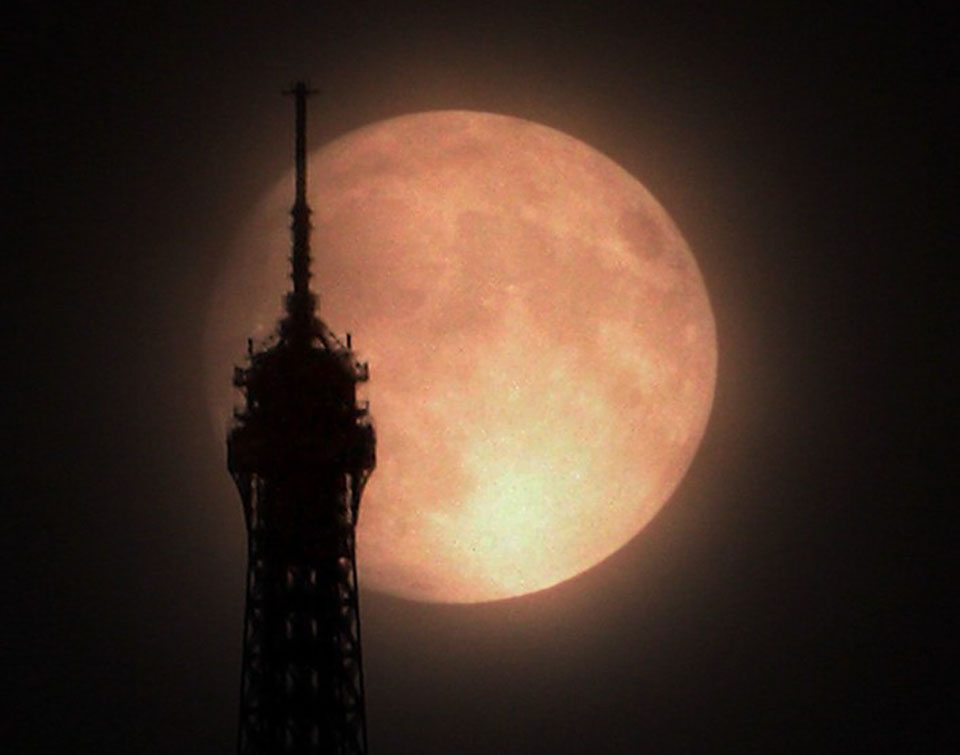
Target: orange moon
[{"x": 541, "y": 345}]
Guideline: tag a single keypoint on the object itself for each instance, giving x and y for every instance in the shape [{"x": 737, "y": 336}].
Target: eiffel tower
[{"x": 300, "y": 451}]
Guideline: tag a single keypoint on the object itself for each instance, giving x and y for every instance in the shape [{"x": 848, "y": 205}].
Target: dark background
[{"x": 795, "y": 595}]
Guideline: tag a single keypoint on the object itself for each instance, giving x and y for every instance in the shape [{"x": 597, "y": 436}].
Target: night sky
[{"x": 795, "y": 594}]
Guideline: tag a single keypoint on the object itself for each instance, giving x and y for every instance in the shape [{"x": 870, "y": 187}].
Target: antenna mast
[{"x": 301, "y": 303}]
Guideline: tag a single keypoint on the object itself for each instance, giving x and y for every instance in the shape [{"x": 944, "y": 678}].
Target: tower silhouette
[{"x": 300, "y": 451}]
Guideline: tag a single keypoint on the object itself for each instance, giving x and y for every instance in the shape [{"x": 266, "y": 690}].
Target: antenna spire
[{"x": 301, "y": 303}]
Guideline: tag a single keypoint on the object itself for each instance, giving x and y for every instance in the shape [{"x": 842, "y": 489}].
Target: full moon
[{"x": 541, "y": 345}]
